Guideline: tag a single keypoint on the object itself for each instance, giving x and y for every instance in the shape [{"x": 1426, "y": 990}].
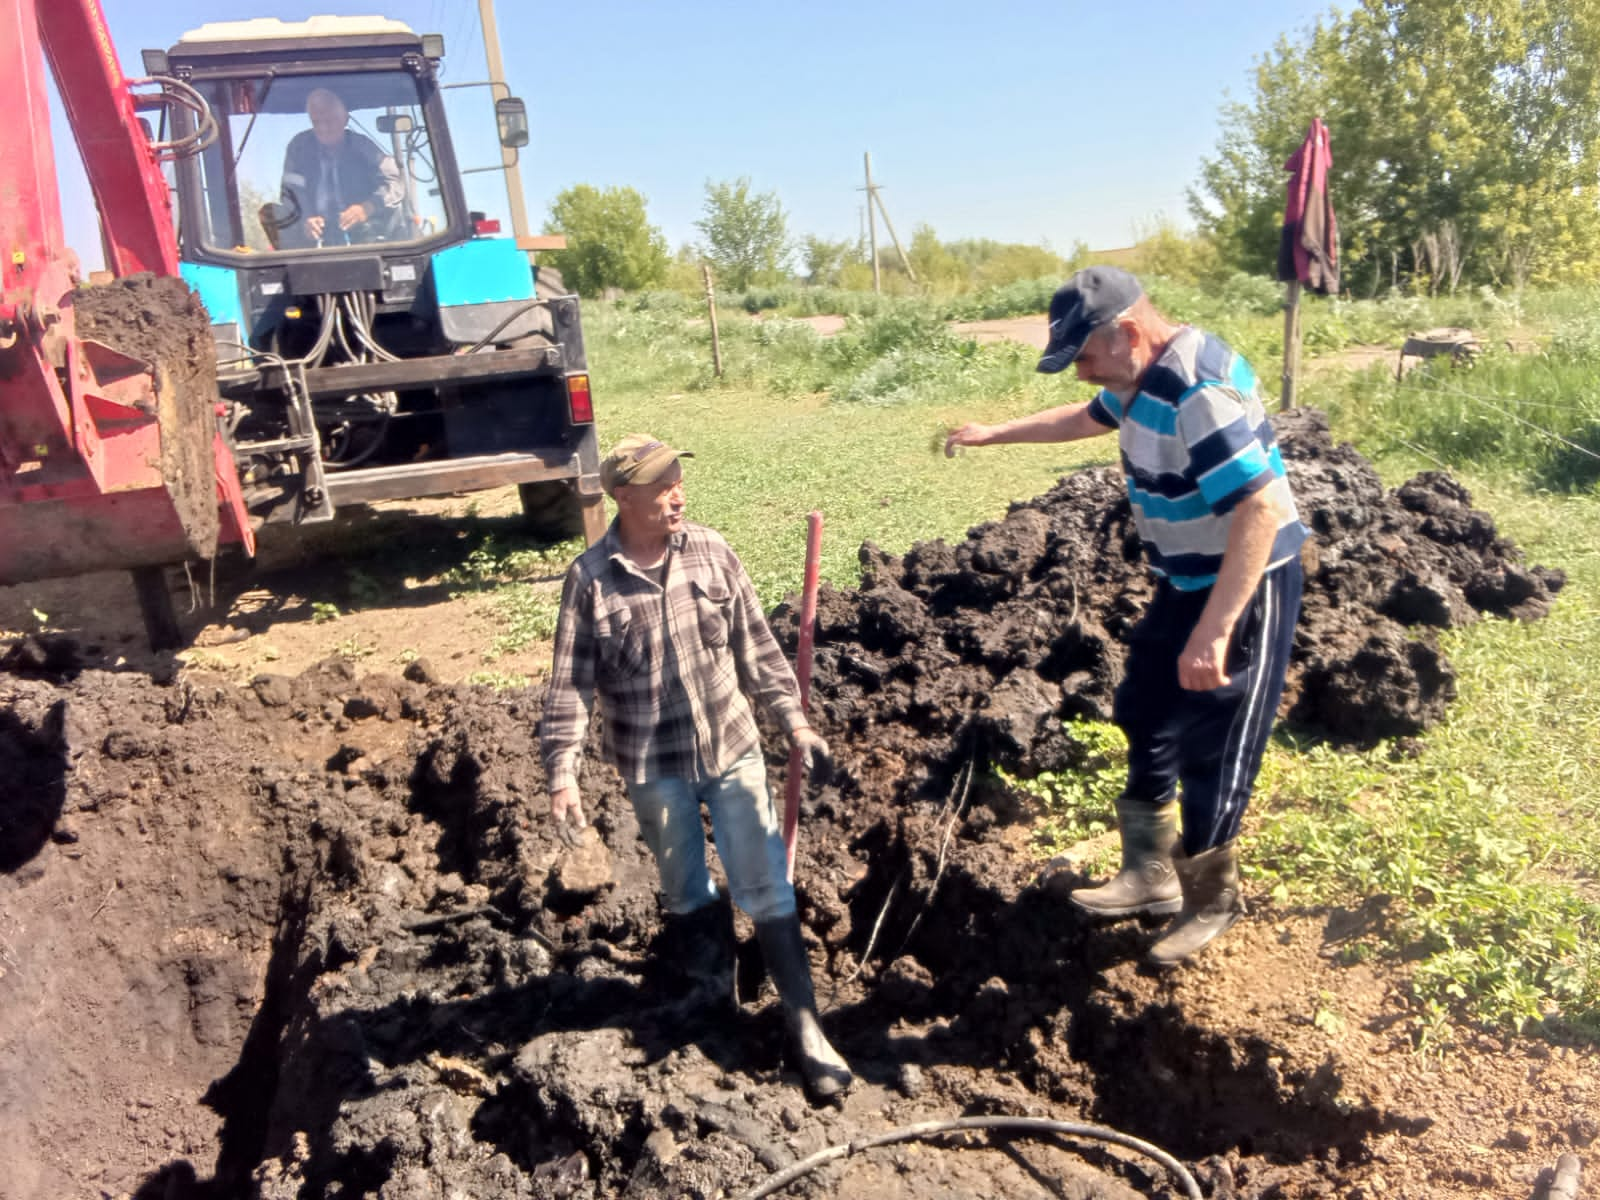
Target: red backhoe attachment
[{"x": 110, "y": 454}]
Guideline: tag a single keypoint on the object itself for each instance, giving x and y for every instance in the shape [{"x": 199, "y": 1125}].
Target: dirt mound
[{"x": 990, "y": 643}]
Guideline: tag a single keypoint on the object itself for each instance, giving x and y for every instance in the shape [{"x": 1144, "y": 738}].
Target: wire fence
[
  {"x": 1511, "y": 411},
  {"x": 1502, "y": 410}
]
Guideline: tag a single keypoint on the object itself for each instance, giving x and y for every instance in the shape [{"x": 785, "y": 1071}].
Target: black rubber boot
[
  {"x": 697, "y": 949},
  {"x": 1211, "y": 903},
  {"x": 826, "y": 1073},
  {"x": 1147, "y": 884}
]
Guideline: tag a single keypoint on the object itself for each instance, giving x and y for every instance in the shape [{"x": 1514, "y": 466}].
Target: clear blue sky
[{"x": 1017, "y": 120}]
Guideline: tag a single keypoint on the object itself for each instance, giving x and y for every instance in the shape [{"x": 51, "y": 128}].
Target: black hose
[
  {"x": 495, "y": 332},
  {"x": 906, "y": 1133}
]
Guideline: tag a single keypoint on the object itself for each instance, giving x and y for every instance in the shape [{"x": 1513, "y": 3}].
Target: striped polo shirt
[{"x": 1196, "y": 441}]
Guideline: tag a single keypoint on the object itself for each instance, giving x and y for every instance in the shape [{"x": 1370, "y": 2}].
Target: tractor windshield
[{"x": 317, "y": 161}]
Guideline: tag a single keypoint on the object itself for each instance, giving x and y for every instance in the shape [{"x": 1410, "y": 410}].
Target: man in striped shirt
[
  {"x": 659, "y": 622},
  {"x": 1206, "y": 664}
]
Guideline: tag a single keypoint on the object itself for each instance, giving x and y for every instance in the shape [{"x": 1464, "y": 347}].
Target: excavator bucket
[{"x": 141, "y": 482}]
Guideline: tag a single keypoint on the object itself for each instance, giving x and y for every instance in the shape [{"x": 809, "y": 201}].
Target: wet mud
[{"x": 314, "y": 937}]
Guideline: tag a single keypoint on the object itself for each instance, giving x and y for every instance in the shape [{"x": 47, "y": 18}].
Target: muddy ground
[{"x": 311, "y": 938}]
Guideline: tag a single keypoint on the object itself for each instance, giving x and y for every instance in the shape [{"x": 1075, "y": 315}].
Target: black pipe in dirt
[{"x": 906, "y": 1133}]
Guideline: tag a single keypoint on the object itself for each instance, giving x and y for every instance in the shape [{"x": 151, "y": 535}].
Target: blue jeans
[{"x": 748, "y": 832}]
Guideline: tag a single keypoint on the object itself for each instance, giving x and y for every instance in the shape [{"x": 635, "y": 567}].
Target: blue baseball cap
[{"x": 1095, "y": 296}]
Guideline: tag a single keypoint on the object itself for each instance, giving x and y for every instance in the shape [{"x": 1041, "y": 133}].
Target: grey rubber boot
[
  {"x": 1147, "y": 884},
  {"x": 826, "y": 1073},
  {"x": 1211, "y": 903}
]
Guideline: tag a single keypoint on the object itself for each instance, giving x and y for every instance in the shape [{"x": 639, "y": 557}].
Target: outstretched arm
[{"x": 1068, "y": 423}]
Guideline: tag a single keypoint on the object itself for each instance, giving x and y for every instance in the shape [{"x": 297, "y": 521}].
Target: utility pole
[
  {"x": 872, "y": 225},
  {"x": 508, "y": 156},
  {"x": 874, "y": 199}
]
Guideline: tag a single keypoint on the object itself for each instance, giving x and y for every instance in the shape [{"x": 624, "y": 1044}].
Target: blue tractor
[{"x": 376, "y": 339}]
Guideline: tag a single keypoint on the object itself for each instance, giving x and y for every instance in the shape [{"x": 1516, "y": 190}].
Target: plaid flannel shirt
[{"x": 674, "y": 666}]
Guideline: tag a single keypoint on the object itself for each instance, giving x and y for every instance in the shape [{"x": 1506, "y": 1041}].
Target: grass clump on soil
[
  {"x": 524, "y": 611},
  {"x": 1480, "y": 841},
  {"x": 1080, "y": 803}
]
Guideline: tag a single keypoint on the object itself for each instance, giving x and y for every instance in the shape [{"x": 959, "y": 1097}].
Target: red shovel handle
[{"x": 802, "y": 672}]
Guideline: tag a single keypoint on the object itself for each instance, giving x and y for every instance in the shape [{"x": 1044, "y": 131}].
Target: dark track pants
[{"x": 1210, "y": 743}]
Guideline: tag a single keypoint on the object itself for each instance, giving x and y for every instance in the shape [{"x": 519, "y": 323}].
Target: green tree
[
  {"x": 1466, "y": 142},
  {"x": 610, "y": 241},
  {"x": 995, "y": 264},
  {"x": 938, "y": 271},
  {"x": 1164, "y": 249},
  {"x": 746, "y": 235},
  {"x": 825, "y": 260}
]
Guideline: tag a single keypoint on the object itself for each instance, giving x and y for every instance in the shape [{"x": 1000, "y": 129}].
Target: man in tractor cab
[
  {"x": 659, "y": 622},
  {"x": 1205, "y": 666},
  {"x": 338, "y": 186}
]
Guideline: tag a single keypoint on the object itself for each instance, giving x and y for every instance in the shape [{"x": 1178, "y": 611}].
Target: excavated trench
[{"x": 361, "y": 965}]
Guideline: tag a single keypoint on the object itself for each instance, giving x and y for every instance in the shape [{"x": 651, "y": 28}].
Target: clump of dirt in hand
[
  {"x": 992, "y": 642},
  {"x": 159, "y": 320}
]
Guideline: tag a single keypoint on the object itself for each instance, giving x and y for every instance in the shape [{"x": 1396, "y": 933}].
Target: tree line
[{"x": 745, "y": 238}]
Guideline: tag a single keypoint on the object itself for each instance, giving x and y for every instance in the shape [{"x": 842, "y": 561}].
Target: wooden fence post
[
  {"x": 711, "y": 311},
  {"x": 1291, "y": 347}
]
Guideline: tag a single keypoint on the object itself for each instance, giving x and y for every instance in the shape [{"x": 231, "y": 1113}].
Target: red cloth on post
[{"x": 1309, "y": 247}]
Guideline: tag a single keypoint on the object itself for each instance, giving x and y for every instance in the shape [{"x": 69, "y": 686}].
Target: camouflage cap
[{"x": 638, "y": 458}]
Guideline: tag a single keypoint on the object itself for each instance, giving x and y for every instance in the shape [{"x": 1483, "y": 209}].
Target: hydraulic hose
[{"x": 1034, "y": 1125}]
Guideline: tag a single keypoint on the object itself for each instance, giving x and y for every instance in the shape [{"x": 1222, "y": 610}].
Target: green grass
[
  {"x": 771, "y": 445},
  {"x": 1484, "y": 835},
  {"x": 1488, "y": 839},
  {"x": 1533, "y": 417},
  {"x": 525, "y": 611}
]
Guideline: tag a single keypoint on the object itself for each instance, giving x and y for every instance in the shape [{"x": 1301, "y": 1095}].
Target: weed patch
[{"x": 1080, "y": 802}]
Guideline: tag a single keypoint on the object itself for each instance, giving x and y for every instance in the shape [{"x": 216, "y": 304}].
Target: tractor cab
[
  {"x": 376, "y": 339},
  {"x": 328, "y": 133}
]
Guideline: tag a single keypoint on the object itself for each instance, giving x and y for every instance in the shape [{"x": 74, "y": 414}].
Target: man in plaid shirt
[{"x": 660, "y": 623}]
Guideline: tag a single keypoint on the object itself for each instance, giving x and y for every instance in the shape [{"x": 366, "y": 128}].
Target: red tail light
[
  {"x": 578, "y": 400},
  {"x": 484, "y": 226}
]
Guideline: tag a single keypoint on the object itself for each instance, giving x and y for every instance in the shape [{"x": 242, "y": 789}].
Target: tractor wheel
[
  {"x": 554, "y": 511},
  {"x": 156, "y": 607}
]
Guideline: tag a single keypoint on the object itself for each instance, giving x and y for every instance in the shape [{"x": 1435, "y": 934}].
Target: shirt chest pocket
[
  {"x": 620, "y": 642},
  {"x": 713, "y": 603}
]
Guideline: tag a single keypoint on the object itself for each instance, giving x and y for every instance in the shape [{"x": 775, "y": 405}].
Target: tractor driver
[{"x": 338, "y": 186}]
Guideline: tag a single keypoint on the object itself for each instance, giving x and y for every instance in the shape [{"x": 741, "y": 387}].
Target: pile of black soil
[{"x": 991, "y": 643}]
